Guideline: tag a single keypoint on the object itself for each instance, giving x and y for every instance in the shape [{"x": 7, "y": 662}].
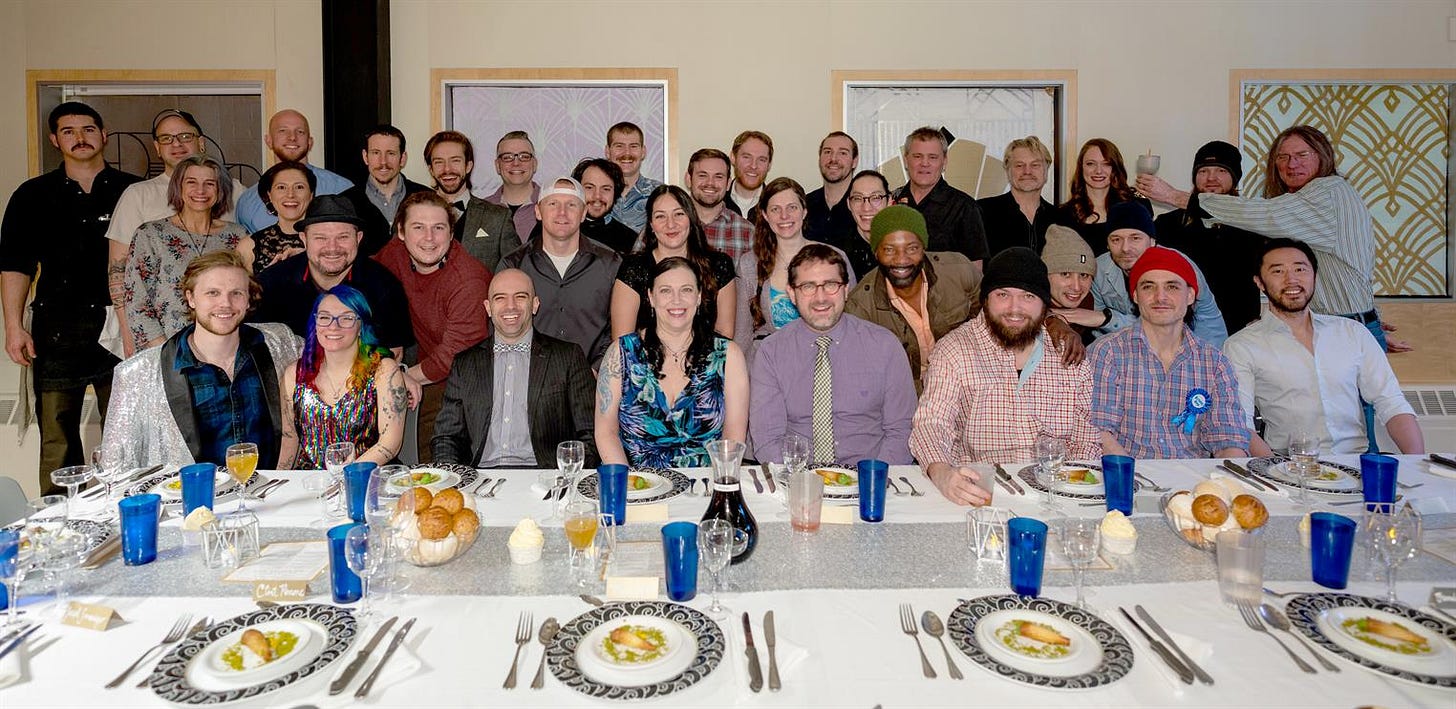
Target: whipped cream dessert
[{"x": 526, "y": 542}]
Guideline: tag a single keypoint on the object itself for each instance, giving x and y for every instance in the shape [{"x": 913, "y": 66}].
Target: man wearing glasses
[
  {"x": 840, "y": 382},
  {"x": 515, "y": 162},
  {"x": 485, "y": 229},
  {"x": 1020, "y": 216},
  {"x": 176, "y": 137}
]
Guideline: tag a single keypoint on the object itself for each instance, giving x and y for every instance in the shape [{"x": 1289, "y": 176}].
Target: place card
[
  {"x": 637, "y": 514},
  {"x": 280, "y": 591},
  {"x": 838, "y": 514},
  {"x": 90, "y": 616},
  {"x": 634, "y": 573},
  {"x": 632, "y": 588},
  {"x": 284, "y": 561}
]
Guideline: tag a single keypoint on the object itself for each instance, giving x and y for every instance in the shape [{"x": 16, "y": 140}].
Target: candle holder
[{"x": 986, "y": 529}]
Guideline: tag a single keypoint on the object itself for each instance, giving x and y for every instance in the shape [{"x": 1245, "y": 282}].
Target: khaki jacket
[{"x": 954, "y": 297}]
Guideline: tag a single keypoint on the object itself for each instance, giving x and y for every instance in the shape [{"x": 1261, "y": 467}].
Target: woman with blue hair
[{"x": 345, "y": 388}]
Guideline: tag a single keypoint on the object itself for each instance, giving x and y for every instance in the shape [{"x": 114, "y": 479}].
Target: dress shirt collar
[{"x": 526, "y": 342}]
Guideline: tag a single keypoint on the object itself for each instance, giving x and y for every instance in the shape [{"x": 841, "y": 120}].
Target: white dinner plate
[
  {"x": 209, "y": 671},
  {"x": 443, "y": 479},
  {"x": 996, "y": 633},
  {"x": 599, "y": 664},
  {"x": 1082, "y": 488},
  {"x": 841, "y": 492},
  {"x": 1330, "y": 478},
  {"x": 1436, "y": 657},
  {"x": 171, "y": 488},
  {"x": 656, "y": 485}
]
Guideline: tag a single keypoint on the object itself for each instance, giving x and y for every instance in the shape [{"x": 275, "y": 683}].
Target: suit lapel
[
  {"x": 486, "y": 398},
  {"x": 179, "y": 394}
]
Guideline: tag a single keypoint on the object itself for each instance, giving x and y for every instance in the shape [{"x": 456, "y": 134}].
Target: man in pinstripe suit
[{"x": 510, "y": 399}]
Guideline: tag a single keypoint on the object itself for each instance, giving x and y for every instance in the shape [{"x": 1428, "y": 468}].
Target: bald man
[
  {"x": 289, "y": 139},
  {"x": 510, "y": 399}
]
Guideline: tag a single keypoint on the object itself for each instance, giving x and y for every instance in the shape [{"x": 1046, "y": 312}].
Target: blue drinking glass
[
  {"x": 356, "y": 488},
  {"x": 612, "y": 493},
  {"x": 345, "y": 585},
  {"x": 1377, "y": 479},
  {"x": 1026, "y": 543},
  {"x": 1117, "y": 482},
  {"x": 680, "y": 558},
  {"x": 139, "y": 517},
  {"x": 199, "y": 486},
  {"x": 1331, "y": 544},
  {"x": 873, "y": 475}
]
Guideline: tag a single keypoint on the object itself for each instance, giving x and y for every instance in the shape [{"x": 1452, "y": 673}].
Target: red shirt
[{"x": 446, "y": 306}]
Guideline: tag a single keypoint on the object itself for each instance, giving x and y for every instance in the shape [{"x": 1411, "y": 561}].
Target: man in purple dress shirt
[{"x": 873, "y": 395}]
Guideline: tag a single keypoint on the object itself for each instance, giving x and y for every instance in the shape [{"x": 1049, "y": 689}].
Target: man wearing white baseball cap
[{"x": 573, "y": 276}]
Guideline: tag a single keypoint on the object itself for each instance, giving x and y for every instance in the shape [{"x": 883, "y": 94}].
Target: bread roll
[
  {"x": 1250, "y": 512},
  {"x": 420, "y": 497},
  {"x": 1209, "y": 487},
  {"x": 1208, "y": 509},
  {"x": 1232, "y": 487},
  {"x": 466, "y": 523},
  {"x": 449, "y": 500},
  {"x": 435, "y": 523}
]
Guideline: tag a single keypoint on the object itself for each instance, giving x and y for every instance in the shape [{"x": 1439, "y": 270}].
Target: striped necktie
[{"x": 823, "y": 417}]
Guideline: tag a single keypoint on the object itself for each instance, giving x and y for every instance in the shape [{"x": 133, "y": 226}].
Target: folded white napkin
[
  {"x": 1437, "y": 470},
  {"x": 15, "y": 667},
  {"x": 1196, "y": 649},
  {"x": 403, "y": 665},
  {"x": 791, "y": 656},
  {"x": 1279, "y": 491}
]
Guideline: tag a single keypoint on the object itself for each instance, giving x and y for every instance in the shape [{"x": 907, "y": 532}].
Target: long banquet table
[{"x": 835, "y": 594}]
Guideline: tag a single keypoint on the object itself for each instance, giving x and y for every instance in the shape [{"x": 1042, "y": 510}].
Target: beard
[
  {"x": 906, "y": 282},
  {"x": 1278, "y": 302},
  {"x": 1015, "y": 338}
]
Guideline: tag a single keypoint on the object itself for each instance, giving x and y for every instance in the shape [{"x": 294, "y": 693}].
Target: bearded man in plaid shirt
[{"x": 997, "y": 382}]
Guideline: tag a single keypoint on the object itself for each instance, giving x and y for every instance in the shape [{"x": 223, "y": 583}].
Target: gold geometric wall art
[{"x": 1392, "y": 142}]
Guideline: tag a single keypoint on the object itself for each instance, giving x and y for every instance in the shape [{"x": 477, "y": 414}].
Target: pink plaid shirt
[
  {"x": 975, "y": 407},
  {"x": 730, "y": 233}
]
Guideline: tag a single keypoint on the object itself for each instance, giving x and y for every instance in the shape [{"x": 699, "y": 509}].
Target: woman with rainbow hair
[{"x": 346, "y": 387}]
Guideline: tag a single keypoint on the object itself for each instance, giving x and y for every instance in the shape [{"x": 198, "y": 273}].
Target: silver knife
[
  {"x": 101, "y": 489},
  {"x": 1183, "y": 672},
  {"x": 363, "y": 690},
  {"x": 103, "y": 553},
  {"x": 1441, "y": 460},
  {"x": 756, "y": 484},
  {"x": 1197, "y": 671},
  {"x": 338, "y": 685},
  {"x": 1244, "y": 474},
  {"x": 17, "y": 641},
  {"x": 755, "y": 673},
  {"x": 1010, "y": 480},
  {"x": 768, "y": 478},
  {"x": 773, "y": 662}
]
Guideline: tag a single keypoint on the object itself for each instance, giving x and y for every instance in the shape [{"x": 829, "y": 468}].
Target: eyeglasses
[
  {"x": 515, "y": 157},
  {"x": 169, "y": 138},
  {"x": 346, "y": 320},
  {"x": 1284, "y": 158},
  {"x": 874, "y": 200},
  {"x": 829, "y": 288}
]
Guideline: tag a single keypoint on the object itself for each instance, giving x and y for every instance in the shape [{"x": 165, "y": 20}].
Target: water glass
[
  {"x": 62, "y": 555},
  {"x": 1118, "y": 472},
  {"x": 356, "y": 488},
  {"x": 1080, "y": 539},
  {"x": 72, "y": 477},
  {"x": 336, "y": 456},
  {"x": 1240, "y": 567},
  {"x": 1377, "y": 479},
  {"x": 199, "y": 486},
  {"x": 806, "y": 499},
  {"x": 716, "y": 541},
  {"x": 344, "y": 584},
  {"x": 365, "y": 552},
  {"x": 612, "y": 491},
  {"x": 796, "y": 452},
  {"x": 1026, "y": 540},
  {"x": 680, "y": 560},
  {"x": 1051, "y": 453},
  {"x": 1304, "y": 461},
  {"x": 1331, "y": 544},
  {"x": 591, "y": 538},
  {"x": 15, "y": 554},
  {"x": 139, "y": 518},
  {"x": 873, "y": 477}
]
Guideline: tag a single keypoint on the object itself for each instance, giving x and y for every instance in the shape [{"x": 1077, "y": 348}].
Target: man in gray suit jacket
[
  {"x": 484, "y": 229},
  {"x": 526, "y": 391}
]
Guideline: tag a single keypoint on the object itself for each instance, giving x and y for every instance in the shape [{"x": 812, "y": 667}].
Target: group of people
[{"x": 645, "y": 319}]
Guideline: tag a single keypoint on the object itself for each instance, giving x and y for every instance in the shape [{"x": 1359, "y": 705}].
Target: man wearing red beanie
[{"x": 1160, "y": 392}]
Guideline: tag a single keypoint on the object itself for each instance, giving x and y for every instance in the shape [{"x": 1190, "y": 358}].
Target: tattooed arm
[
  {"x": 389, "y": 385},
  {"x": 609, "y": 396},
  {"x": 117, "y": 253},
  {"x": 288, "y": 447}
]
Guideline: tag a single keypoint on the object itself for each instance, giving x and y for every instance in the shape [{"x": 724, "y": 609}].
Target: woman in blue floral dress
[{"x": 668, "y": 389}]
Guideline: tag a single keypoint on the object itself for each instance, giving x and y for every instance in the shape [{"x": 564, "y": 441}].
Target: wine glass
[
  {"x": 570, "y": 456},
  {"x": 1304, "y": 461},
  {"x": 242, "y": 462},
  {"x": 364, "y": 554},
  {"x": 61, "y": 556},
  {"x": 15, "y": 558},
  {"x": 1080, "y": 539},
  {"x": 336, "y": 456},
  {"x": 1394, "y": 536},
  {"x": 380, "y": 502},
  {"x": 109, "y": 473},
  {"x": 72, "y": 477},
  {"x": 716, "y": 539},
  {"x": 1050, "y": 452},
  {"x": 796, "y": 454}
]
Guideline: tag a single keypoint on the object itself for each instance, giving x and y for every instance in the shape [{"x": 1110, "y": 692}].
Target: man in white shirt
[
  {"x": 289, "y": 139},
  {"x": 1309, "y": 371}
]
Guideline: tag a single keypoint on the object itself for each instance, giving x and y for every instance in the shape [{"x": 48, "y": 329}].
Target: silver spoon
[
  {"x": 548, "y": 631},
  {"x": 894, "y": 487},
  {"x": 1281, "y": 622},
  {"x": 913, "y": 491},
  {"x": 931, "y": 622},
  {"x": 592, "y": 600}
]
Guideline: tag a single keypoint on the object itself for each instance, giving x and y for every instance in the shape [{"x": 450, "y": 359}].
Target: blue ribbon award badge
[{"x": 1196, "y": 403}]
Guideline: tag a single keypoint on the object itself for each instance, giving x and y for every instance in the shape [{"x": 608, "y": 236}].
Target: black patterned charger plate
[
  {"x": 587, "y": 486},
  {"x": 468, "y": 475},
  {"x": 95, "y": 533},
  {"x": 1116, "y": 653},
  {"x": 1028, "y": 476},
  {"x": 1270, "y": 468},
  {"x": 561, "y": 654},
  {"x": 1312, "y": 614}
]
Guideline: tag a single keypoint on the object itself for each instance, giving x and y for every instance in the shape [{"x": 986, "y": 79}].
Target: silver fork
[
  {"x": 1151, "y": 485},
  {"x": 894, "y": 487},
  {"x": 913, "y": 491},
  {"x": 523, "y": 636},
  {"x": 1251, "y": 619},
  {"x": 483, "y": 482},
  {"x": 907, "y": 624},
  {"x": 495, "y": 487},
  {"x": 173, "y": 635},
  {"x": 197, "y": 627}
]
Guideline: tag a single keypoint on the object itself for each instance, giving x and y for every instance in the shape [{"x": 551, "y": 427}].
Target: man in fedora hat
[{"x": 331, "y": 233}]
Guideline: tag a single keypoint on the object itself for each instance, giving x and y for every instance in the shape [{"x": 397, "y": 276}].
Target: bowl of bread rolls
[
  {"x": 1212, "y": 506},
  {"x": 435, "y": 528}
]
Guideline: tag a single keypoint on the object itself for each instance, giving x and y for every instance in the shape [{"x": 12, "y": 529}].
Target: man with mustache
[
  {"x": 53, "y": 233},
  {"x": 709, "y": 172},
  {"x": 1310, "y": 372},
  {"x": 510, "y": 399},
  {"x": 1158, "y": 391},
  {"x": 289, "y": 138},
  {"x": 828, "y": 213},
  {"x": 212, "y": 384},
  {"x": 485, "y": 229},
  {"x": 752, "y": 158},
  {"x": 997, "y": 382},
  {"x": 515, "y": 162},
  {"x": 626, "y": 148},
  {"x": 377, "y": 199}
]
